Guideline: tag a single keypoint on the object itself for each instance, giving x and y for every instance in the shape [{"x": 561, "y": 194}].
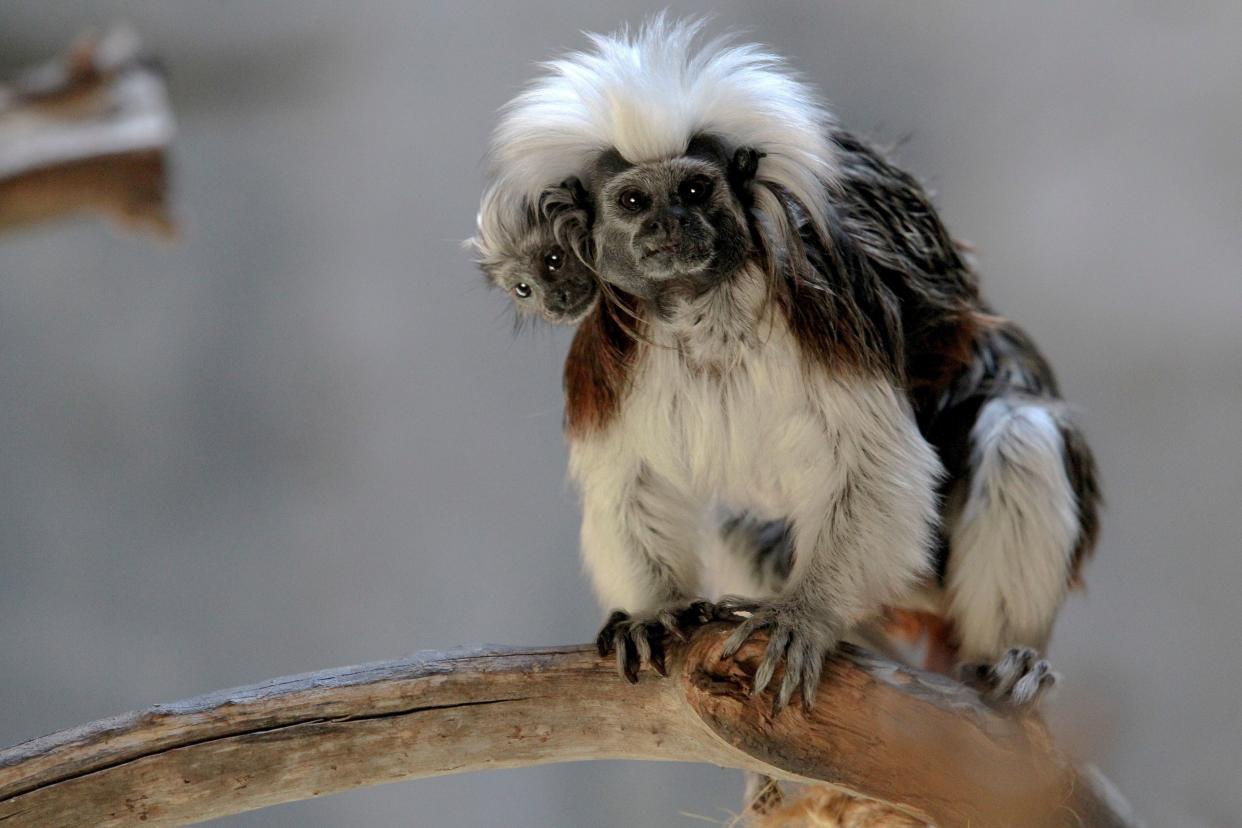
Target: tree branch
[{"x": 918, "y": 741}]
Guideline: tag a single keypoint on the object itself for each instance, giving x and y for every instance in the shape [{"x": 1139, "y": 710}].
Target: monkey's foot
[
  {"x": 1015, "y": 683},
  {"x": 641, "y": 637},
  {"x": 800, "y": 637}
]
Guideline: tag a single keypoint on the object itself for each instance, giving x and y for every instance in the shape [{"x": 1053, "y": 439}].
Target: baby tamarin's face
[{"x": 541, "y": 277}]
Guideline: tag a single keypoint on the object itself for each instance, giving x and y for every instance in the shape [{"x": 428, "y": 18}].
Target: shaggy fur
[
  {"x": 814, "y": 386},
  {"x": 758, "y": 373},
  {"x": 788, "y": 385},
  {"x": 824, "y": 807},
  {"x": 646, "y": 94},
  {"x": 541, "y": 264}
]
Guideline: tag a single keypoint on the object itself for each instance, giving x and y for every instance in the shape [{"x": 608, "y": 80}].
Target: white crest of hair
[
  {"x": 498, "y": 231},
  {"x": 1013, "y": 542},
  {"x": 647, "y": 95}
]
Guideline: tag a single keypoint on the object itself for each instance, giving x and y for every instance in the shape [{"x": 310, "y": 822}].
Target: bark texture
[{"x": 922, "y": 744}]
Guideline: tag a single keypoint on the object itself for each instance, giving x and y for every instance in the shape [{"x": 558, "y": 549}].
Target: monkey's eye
[
  {"x": 522, "y": 290},
  {"x": 633, "y": 199},
  {"x": 554, "y": 259},
  {"x": 695, "y": 190}
]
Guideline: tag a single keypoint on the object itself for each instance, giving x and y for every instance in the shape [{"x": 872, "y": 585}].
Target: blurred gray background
[{"x": 307, "y": 437}]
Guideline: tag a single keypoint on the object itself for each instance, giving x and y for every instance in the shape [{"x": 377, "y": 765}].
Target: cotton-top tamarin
[{"x": 767, "y": 342}]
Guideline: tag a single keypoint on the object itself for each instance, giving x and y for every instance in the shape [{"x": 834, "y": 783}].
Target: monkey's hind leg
[{"x": 1014, "y": 545}]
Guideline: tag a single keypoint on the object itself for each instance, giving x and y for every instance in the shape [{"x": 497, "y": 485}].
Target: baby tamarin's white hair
[
  {"x": 497, "y": 229},
  {"x": 646, "y": 95}
]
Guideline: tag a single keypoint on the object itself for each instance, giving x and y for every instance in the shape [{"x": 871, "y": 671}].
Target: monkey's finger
[
  {"x": 627, "y": 654},
  {"x": 604, "y": 641},
  {"x": 810, "y": 680},
  {"x": 1015, "y": 664},
  {"x": 743, "y": 632},
  {"x": 668, "y": 620},
  {"x": 631, "y": 662},
  {"x": 1028, "y": 690},
  {"x": 730, "y": 605},
  {"x": 795, "y": 660},
  {"x": 777, "y": 645},
  {"x": 638, "y": 634},
  {"x": 657, "y": 657}
]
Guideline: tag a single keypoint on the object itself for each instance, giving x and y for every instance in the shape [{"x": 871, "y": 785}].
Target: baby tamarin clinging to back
[
  {"x": 520, "y": 252},
  {"x": 786, "y": 351}
]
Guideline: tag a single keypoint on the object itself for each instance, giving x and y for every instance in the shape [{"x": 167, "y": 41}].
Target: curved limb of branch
[{"x": 920, "y": 742}]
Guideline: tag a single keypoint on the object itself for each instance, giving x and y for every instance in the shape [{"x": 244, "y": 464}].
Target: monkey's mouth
[
  {"x": 666, "y": 250},
  {"x": 572, "y": 314},
  {"x": 671, "y": 258}
]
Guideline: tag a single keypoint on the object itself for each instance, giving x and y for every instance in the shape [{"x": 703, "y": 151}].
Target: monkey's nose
[{"x": 669, "y": 221}]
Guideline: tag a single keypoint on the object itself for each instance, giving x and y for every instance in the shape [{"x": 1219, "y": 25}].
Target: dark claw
[
  {"x": 604, "y": 641},
  {"x": 639, "y": 639},
  {"x": 778, "y": 644},
  {"x": 627, "y": 657},
  {"x": 657, "y": 657}
]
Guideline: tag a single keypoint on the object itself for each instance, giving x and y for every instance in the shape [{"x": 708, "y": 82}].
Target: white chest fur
[
  {"x": 731, "y": 424},
  {"x": 723, "y": 409}
]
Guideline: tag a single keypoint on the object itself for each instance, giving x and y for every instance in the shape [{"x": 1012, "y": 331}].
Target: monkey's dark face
[
  {"x": 667, "y": 223},
  {"x": 544, "y": 279}
]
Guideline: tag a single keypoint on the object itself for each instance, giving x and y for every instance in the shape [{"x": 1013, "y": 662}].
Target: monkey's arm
[
  {"x": 862, "y": 531},
  {"x": 638, "y": 542}
]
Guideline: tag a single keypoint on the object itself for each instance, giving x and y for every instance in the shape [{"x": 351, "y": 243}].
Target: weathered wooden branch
[
  {"x": 88, "y": 132},
  {"x": 885, "y": 732}
]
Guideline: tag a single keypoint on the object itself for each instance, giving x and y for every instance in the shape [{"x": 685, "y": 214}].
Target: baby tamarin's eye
[
  {"x": 522, "y": 290},
  {"x": 554, "y": 259}
]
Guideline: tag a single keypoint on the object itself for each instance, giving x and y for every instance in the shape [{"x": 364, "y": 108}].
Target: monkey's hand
[
  {"x": 1014, "y": 684},
  {"x": 797, "y": 633},
  {"x": 642, "y": 637}
]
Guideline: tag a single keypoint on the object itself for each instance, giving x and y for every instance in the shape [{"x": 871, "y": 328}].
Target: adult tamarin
[{"x": 763, "y": 355}]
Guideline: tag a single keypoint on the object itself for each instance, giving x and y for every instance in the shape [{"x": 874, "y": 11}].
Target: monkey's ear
[
  {"x": 577, "y": 191},
  {"x": 569, "y": 195},
  {"x": 744, "y": 166}
]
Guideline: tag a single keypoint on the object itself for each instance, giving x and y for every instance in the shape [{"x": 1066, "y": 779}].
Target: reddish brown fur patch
[
  {"x": 597, "y": 369},
  {"x": 916, "y": 628},
  {"x": 823, "y": 807},
  {"x": 836, "y": 309},
  {"x": 943, "y": 350}
]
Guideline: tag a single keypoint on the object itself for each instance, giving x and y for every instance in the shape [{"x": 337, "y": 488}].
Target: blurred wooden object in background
[{"x": 89, "y": 131}]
